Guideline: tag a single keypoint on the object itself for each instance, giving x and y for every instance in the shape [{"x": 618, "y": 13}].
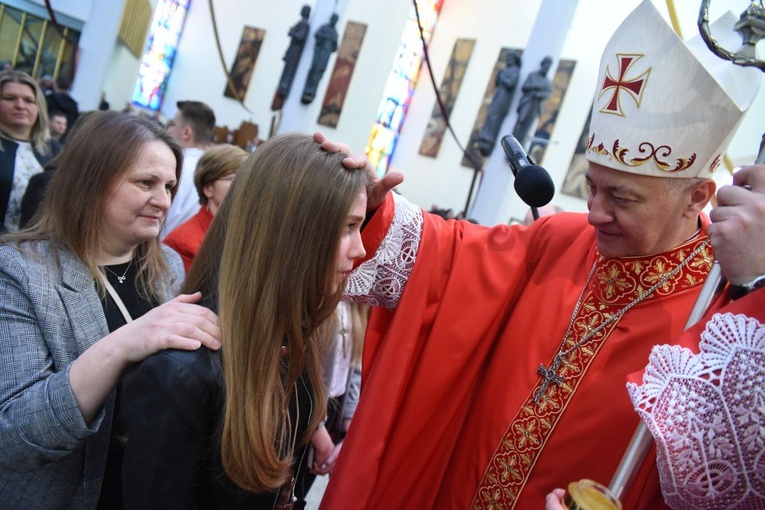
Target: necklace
[
  {"x": 342, "y": 332},
  {"x": 120, "y": 279},
  {"x": 550, "y": 374}
]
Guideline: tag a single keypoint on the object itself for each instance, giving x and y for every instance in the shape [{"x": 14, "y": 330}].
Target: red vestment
[
  {"x": 187, "y": 237},
  {"x": 447, "y": 418}
]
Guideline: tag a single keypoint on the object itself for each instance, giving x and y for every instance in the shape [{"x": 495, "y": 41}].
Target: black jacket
[{"x": 172, "y": 404}]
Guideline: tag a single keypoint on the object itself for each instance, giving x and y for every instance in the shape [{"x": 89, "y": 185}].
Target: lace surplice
[{"x": 706, "y": 412}]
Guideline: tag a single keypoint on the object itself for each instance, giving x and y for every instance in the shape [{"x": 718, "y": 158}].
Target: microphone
[{"x": 532, "y": 182}]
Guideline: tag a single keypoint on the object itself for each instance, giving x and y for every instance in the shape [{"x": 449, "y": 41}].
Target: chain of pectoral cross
[{"x": 550, "y": 374}]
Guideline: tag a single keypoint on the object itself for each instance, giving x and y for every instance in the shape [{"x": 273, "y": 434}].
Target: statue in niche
[
  {"x": 326, "y": 45},
  {"x": 298, "y": 35},
  {"x": 505, "y": 84},
  {"x": 536, "y": 89}
]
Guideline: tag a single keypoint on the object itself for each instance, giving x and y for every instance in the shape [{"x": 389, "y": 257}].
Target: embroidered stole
[{"x": 615, "y": 284}]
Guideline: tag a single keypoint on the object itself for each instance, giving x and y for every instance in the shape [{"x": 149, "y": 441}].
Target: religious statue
[
  {"x": 298, "y": 35},
  {"x": 536, "y": 89},
  {"x": 505, "y": 83},
  {"x": 326, "y": 45}
]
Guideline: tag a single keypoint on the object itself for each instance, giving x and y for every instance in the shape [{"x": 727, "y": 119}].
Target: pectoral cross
[{"x": 550, "y": 376}]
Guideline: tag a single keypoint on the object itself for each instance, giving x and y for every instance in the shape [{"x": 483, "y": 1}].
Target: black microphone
[{"x": 532, "y": 182}]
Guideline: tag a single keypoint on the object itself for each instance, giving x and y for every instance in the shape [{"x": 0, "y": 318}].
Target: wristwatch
[{"x": 739, "y": 291}]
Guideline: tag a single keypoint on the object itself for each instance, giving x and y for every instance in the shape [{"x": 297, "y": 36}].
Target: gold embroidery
[
  {"x": 526, "y": 435},
  {"x": 647, "y": 152}
]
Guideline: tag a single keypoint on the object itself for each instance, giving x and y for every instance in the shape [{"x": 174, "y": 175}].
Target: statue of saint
[
  {"x": 536, "y": 89},
  {"x": 326, "y": 45},
  {"x": 505, "y": 84},
  {"x": 298, "y": 35}
]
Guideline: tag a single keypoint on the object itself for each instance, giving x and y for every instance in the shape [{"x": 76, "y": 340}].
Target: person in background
[
  {"x": 212, "y": 179},
  {"x": 61, "y": 101},
  {"x": 84, "y": 294},
  {"x": 229, "y": 429},
  {"x": 57, "y": 124},
  {"x": 25, "y": 142},
  {"x": 192, "y": 126},
  {"x": 46, "y": 84},
  {"x": 103, "y": 104}
]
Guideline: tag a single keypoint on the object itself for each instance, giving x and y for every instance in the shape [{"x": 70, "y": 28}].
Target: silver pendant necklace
[{"x": 120, "y": 279}]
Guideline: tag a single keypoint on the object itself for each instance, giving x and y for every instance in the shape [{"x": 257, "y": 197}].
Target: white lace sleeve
[
  {"x": 707, "y": 414},
  {"x": 380, "y": 280}
]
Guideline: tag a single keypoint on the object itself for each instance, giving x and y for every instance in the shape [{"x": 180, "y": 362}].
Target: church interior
[{"x": 379, "y": 93}]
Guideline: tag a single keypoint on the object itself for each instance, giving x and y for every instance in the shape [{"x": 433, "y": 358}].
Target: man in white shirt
[{"x": 192, "y": 126}]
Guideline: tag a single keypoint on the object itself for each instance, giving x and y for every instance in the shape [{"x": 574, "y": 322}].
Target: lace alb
[
  {"x": 380, "y": 280},
  {"x": 707, "y": 414}
]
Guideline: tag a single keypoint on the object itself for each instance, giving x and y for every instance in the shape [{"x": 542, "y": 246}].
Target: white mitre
[{"x": 664, "y": 107}]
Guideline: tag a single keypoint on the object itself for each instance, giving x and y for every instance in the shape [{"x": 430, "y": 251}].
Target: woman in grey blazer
[{"x": 70, "y": 287}]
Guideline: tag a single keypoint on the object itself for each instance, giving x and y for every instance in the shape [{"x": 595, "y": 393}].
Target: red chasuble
[{"x": 447, "y": 417}]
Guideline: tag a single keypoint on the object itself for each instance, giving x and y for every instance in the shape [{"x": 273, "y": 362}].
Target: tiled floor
[{"x": 317, "y": 491}]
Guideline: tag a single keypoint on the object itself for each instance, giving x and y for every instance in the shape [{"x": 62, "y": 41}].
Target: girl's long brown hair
[{"x": 269, "y": 258}]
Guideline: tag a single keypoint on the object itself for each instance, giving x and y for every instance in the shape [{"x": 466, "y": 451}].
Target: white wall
[
  {"x": 198, "y": 74},
  {"x": 444, "y": 181}
]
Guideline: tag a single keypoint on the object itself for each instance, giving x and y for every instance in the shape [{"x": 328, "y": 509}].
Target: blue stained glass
[
  {"x": 400, "y": 85},
  {"x": 160, "y": 51}
]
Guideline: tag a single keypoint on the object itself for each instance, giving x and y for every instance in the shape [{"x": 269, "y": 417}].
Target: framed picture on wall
[{"x": 244, "y": 63}]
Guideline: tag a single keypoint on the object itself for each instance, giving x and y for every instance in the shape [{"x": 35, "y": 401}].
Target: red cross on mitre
[{"x": 633, "y": 86}]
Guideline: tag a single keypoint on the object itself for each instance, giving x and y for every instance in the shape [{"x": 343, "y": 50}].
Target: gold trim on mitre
[{"x": 686, "y": 102}]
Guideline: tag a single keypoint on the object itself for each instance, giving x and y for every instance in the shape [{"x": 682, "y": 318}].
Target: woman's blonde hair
[
  {"x": 217, "y": 162},
  {"x": 40, "y": 133},
  {"x": 97, "y": 155},
  {"x": 270, "y": 256}
]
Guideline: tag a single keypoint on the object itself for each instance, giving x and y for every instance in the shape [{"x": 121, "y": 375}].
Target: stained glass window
[
  {"x": 161, "y": 46},
  {"x": 400, "y": 85}
]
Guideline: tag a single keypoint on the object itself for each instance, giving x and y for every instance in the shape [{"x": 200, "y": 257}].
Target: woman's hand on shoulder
[{"x": 178, "y": 324}]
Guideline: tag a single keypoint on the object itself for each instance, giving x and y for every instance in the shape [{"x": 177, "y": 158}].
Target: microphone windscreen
[{"x": 534, "y": 185}]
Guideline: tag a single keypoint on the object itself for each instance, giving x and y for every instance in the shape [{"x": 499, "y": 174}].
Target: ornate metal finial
[{"x": 751, "y": 27}]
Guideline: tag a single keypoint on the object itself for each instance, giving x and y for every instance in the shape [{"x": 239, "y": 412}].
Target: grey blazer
[{"x": 50, "y": 313}]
